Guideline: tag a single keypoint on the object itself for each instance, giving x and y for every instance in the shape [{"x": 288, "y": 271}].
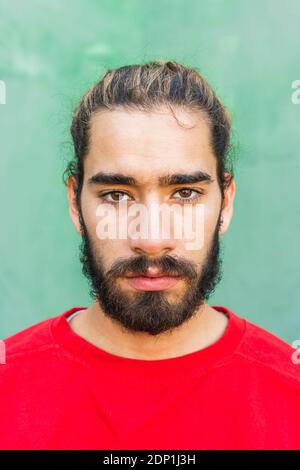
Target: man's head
[{"x": 150, "y": 134}]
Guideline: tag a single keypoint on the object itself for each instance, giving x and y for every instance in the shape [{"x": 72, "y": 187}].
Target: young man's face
[{"x": 147, "y": 147}]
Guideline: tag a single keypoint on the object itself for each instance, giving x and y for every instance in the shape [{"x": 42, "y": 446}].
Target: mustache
[{"x": 140, "y": 265}]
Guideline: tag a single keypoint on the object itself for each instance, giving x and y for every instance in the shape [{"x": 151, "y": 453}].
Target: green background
[{"x": 51, "y": 52}]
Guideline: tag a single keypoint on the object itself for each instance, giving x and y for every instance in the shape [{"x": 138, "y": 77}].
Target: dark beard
[{"x": 149, "y": 311}]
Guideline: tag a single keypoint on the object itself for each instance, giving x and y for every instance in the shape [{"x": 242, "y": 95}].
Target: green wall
[{"x": 50, "y": 52}]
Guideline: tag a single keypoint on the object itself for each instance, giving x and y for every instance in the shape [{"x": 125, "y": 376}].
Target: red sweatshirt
[{"x": 59, "y": 391}]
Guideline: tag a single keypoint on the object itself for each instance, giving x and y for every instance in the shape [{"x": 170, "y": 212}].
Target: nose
[
  {"x": 156, "y": 246},
  {"x": 151, "y": 247},
  {"x": 152, "y": 236}
]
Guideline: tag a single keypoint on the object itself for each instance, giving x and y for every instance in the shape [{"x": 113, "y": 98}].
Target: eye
[
  {"x": 185, "y": 194},
  {"x": 113, "y": 197}
]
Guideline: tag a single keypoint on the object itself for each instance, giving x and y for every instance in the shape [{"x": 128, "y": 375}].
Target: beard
[{"x": 149, "y": 311}]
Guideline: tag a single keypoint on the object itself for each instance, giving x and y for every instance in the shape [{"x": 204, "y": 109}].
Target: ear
[
  {"x": 227, "y": 206},
  {"x": 73, "y": 208}
]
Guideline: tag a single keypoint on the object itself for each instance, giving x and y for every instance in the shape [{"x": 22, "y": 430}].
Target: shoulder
[
  {"x": 32, "y": 340},
  {"x": 270, "y": 354}
]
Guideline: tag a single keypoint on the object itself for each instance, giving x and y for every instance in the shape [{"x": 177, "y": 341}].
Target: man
[{"x": 150, "y": 365}]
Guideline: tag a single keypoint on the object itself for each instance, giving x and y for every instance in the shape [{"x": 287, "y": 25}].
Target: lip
[{"x": 153, "y": 282}]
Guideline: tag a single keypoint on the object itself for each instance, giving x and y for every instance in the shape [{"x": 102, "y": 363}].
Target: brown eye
[
  {"x": 188, "y": 194},
  {"x": 114, "y": 196},
  {"x": 185, "y": 192}
]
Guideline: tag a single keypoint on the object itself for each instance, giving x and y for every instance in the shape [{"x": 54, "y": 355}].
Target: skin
[{"x": 147, "y": 146}]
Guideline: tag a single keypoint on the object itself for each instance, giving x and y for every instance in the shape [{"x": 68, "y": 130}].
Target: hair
[{"x": 147, "y": 87}]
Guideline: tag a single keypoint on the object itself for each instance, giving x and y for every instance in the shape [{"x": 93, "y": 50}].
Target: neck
[{"x": 203, "y": 329}]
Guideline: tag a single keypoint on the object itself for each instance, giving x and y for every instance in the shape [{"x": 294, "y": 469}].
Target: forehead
[{"x": 147, "y": 144}]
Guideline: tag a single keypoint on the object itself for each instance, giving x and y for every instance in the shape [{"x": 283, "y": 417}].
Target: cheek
[
  {"x": 89, "y": 209},
  {"x": 200, "y": 232},
  {"x": 212, "y": 210},
  {"x": 211, "y": 214},
  {"x": 101, "y": 228}
]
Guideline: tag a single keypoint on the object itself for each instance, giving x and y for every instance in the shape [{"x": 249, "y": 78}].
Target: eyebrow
[{"x": 167, "y": 180}]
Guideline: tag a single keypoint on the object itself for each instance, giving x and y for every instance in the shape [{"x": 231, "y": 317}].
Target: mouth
[{"x": 152, "y": 281}]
